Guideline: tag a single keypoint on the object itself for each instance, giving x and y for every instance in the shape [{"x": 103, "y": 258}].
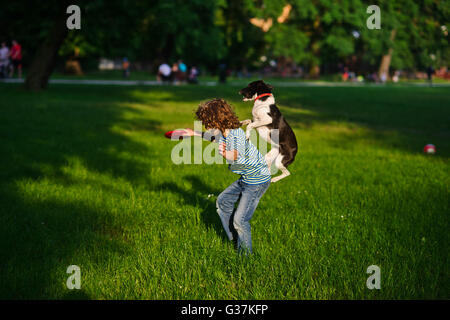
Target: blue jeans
[{"x": 249, "y": 199}]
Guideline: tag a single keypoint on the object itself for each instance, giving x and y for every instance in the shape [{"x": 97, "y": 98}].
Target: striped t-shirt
[{"x": 250, "y": 163}]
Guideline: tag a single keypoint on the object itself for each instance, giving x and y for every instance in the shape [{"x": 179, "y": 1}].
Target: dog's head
[{"x": 255, "y": 89}]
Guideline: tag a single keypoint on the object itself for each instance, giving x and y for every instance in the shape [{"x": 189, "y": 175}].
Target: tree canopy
[{"x": 311, "y": 33}]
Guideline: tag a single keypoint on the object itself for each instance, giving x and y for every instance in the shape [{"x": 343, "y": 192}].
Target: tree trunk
[
  {"x": 386, "y": 59},
  {"x": 44, "y": 60}
]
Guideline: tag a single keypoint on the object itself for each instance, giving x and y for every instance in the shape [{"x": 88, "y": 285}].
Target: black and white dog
[{"x": 267, "y": 118}]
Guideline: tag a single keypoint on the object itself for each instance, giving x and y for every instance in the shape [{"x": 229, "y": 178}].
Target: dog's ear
[
  {"x": 254, "y": 87},
  {"x": 253, "y": 84},
  {"x": 264, "y": 87}
]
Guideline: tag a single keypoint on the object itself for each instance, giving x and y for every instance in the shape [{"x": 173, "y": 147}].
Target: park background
[{"x": 87, "y": 179}]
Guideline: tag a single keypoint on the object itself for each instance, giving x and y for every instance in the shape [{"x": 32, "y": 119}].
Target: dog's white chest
[{"x": 260, "y": 112}]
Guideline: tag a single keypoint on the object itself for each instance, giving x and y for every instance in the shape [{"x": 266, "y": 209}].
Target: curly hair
[{"x": 217, "y": 114}]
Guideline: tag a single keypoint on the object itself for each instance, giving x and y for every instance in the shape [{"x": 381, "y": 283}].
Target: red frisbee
[{"x": 176, "y": 134}]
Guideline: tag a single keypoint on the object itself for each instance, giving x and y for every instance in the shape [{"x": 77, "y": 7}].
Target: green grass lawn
[{"x": 86, "y": 179}]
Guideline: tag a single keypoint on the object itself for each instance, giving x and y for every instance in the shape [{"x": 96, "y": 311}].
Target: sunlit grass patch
[{"x": 88, "y": 180}]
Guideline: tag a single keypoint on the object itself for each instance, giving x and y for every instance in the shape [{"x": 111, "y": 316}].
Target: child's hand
[
  {"x": 190, "y": 132},
  {"x": 230, "y": 155}
]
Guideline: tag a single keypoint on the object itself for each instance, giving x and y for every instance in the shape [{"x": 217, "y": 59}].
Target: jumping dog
[{"x": 267, "y": 118}]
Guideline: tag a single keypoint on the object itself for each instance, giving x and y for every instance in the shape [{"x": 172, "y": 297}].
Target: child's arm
[
  {"x": 205, "y": 135},
  {"x": 230, "y": 155},
  {"x": 241, "y": 161}
]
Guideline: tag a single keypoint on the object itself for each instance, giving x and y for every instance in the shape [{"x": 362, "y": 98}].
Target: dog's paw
[
  {"x": 247, "y": 134},
  {"x": 246, "y": 122}
]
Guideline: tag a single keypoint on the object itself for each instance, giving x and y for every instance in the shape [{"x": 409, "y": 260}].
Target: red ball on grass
[{"x": 429, "y": 149}]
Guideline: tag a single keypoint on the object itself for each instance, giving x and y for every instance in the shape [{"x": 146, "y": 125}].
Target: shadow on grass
[
  {"x": 40, "y": 234},
  {"x": 400, "y": 118},
  {"x": 42, "y": 133},
  {"x": 195, "y": 198}
]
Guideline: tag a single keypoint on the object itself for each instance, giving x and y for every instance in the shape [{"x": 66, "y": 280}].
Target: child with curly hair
[{"x": 244, "y": 159}]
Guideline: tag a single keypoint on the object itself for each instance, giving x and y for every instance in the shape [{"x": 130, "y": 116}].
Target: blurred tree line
[{"x": 316, "y": 34}]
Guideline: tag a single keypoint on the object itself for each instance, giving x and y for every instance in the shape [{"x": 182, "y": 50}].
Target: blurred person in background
[
  {"x": 182, "y": 69},
  {"x": 193, "y": 73},
  {"x": 126, "y": 67},
  {"x": 164, "y": 73},
  {"x": 430, "y": 72},
  {"x": 396, "y": 76},
  {"x": 16, "y": 59},
  {"x": 223, "y": 72},
  {"x": 174, "y": 75},
  {"x": 345, "y": 74},
  {"x": 4, "y": 60}
]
